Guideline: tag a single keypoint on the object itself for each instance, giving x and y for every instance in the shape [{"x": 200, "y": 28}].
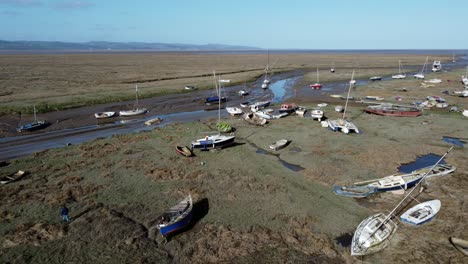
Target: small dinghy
[
  {"x": 244, "y": 104},
  {"x": 354, "y": 191},
  {"x": 243, "y": 93},
  {"x": 101, "y": 115},
  {"x": 176, "y": 217},
  {"x": 280, "y": 115},
  {"x": 253, "y": 119},
  {"x": 234, "y": 111},
  {"x": 421, "y": 213},
  {"x": 375, "y": 78},
  {"x": 279, "y": 144},
  {"x": 339, "y": 108},
  {"x": 136, "y": 111},
  {"x": 153, "y": 120},
  {"x": 317, "y": 114},
  {"x": 300, "y": 111},
  {"x": 13, "y": 177},
  {"x": 184, "y": 151},
  {"x": 460, "y": 244},
  {"x": 322, "y": 105},
  {"x": 224, "y": 127}
]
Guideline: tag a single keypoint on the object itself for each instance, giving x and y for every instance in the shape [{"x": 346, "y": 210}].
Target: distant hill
[{"x": 103, "y": 45}]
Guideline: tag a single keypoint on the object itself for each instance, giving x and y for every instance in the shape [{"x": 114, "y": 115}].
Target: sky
[{"x": 293, "y": 24}]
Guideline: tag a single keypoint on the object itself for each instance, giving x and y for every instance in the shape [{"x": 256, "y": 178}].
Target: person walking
[{"x": 64, "y": 214}]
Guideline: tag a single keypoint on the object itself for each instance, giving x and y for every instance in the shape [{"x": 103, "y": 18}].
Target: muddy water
[{"x": 421, "y": 162}]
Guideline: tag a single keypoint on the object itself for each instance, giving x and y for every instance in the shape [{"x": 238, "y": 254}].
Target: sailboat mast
[
  {"x": 318, "y": 81},
  {"x": 35, "y": 118},
  {"x": 347, "y": 97},
  {"x": 136, "y": 94},
  {"x": 399, "y": 67}
]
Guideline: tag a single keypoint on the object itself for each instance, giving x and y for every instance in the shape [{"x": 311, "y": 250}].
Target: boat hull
[
  {"x": 367, "y": 239},
  {"x": 421, "y": 213},
  {"x": 354, "y": 191},
  {"x": 133, "y": 112},
  {"x": 33, "y": 126},
  {"x": 399, "y": 113},
  {"x": 213, "y": 143},
  {"x": 102, "y": 115},
  {"x": 460, "y": 244},
  {"x": 184, "y": 151},
  {"x": 279, "y": 144}
]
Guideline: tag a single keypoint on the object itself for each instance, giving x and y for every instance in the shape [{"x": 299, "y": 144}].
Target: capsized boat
[
  {"x": 13, "y": 177},
  {"x": 460, "y": 244},
  {"x": 184, "y": 151},
  {"x": 101, "y": 115},
  {"x": 176, "y": 217},
  {"x": 354, "y": 191},
  {"x": 372, "y": 235},
  {"x": 393, "y": 110},
  {"x": 421, "y": 213},
  {"x": 279, "y": 144}
]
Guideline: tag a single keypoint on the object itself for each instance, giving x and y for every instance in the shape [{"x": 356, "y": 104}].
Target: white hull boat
[
  {"x": 153, "y": 120},
  {"x": 421, "y": 74},
  {"x": 264, "y": 85},
  {"x": 342, "y": 125},
  {"x": 372, "y": 235},
  {"x": 213, "y": 141},
  {"x": 300, "y": 111},
  {"x": 461, "y": 93},
  {"x": 263, "y": 114},
  {"x": 102, "y": 115},
  {"x": 465, "y": 113},
  {"x": 279, "y": 144},
  {"x": 421, "y": 213},
  {"x": 436, "y": 66},
  {"x": 460, "y": 244},
  {"x": 399, "y": 75},
  {"x": 243, "y": 93},
  {"x": 433, "y": 81},
  {"x": 133, "y": 112},
  {"x": 234, "y": 111},
  {"x": 339, "y": 108},
  {"x": 317, "y": 114}
]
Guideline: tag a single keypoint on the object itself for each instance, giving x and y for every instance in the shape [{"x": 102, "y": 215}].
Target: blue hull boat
[
  {"x": 177, "y": 217},
  {"x": 214, "y": 99},
  {"x": 33, "y": 126}
]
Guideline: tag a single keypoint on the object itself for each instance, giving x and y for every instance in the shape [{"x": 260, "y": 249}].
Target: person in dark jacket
[{"x": 64, "y": 214}]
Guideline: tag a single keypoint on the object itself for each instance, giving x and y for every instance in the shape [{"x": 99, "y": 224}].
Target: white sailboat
[
  {"x": 137, "y": 110},
  {"x": 465, "y": 78},
  {"x": 267, "y": 69},
  {"x": 421, "y": 74},
  {"x": 436, "y": 66},
  {"x": 453, "y": 57},
  {"x": 342, "y": 124},
  {"x": 374, "y": 233},
  {"x": 215, "y": 141},
  {"x": 399, "y": 75},
  {"x": 332, "y": 68}
]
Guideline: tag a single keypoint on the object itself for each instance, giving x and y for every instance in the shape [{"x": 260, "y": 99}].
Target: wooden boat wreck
[
  {"x": 13, "y": 177},
  {"x": 279, "y": 144},
  {"x": 421, "y": 213},
  {"x": 254, "y": 119},
  {"x": 176, "y": 217},
  {"x": 184, "y": 151},
  {"x": 460, "y": 244},
  {"x": 394, "y": 110},
  {"x": 354, "y": 191}
]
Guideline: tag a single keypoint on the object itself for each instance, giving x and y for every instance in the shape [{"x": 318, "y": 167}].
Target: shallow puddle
[
  {"x": 454, "y": 141},
  {"x": 420, "y": 162}
]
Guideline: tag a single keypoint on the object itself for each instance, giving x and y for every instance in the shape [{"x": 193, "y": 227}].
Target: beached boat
[
  {"x": 300, "y": 111},
  {"x": 342, "y": 124},
  {"x": 264, "y": 114},
  {"x": 267, "y": 69},
  {"x": 436, "y": 98},
  {"x": 316, "y": 85},
  {"x": 224, "y": 127},
  {"x": 464, "y": 79},
  {"x": 279, "y": 144},
  {"x": 399, "y": 75},
  {"x": 435, "y": 171},
  {"x": 190, "y": 88},
  {"x": 215, "y": 99},
  {"x": 264, "y": 85},
  {"x": 234, "y": 111},
  {"x": 393, "y": 110},
  {"x": 374, "y": 98},
  {"x": 465, "y": 113},
  {"x": 317, "y": 114},
  {"x": 332, "y": 68},
  {"x": 433, "y": 81},
  {"x": 253, "y": 119},
  {"x": 101, "y": 115},
  {"x": 244, "y": 104},
  {"x": 176, "y": 217},
  {"x": 354, "y": 191},
  {"x": 287, "y": 108},
  {"x": 395, "y": 182},
  {"x": 335, "y": 95},
  {"x": 243, "y": 93},
  {"x": 137, "y": 110},
  {"x": 184, "y": 151},
  {"x": 460, "y": 244},
  {"x": 420, "y": 75},
  {"x": 375, "y": 78},
  {"x": 436, "y": 66},
  {"x": 352, "y": 82},
  {"x": 463, "y": 93},
  {"x": 152, "y": 121},
  {"x": 35, "y": 125},
  {"x": 421, "y": 213},
  {"x": 322, "y": 105},
  {"x": 259, "y": 105},
  {"x": 372, "y": 235},
  {"x": 339, "y": 108},
  {"x": 13, "y": 177}
]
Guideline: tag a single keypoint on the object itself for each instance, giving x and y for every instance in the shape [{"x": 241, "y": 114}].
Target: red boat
[
  {"x": 287, "y": 108},
  {"x": 394, "y": 110},
  {"x": 316, "y": 86}
]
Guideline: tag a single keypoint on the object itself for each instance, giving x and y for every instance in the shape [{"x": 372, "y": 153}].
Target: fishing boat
[
  {"x": 460, "y": 244},
  {"x": 342, "y": 124},
  {"x": 393, "y": 110},
  {"x": 101, "y": 115},
  {"x": 354, "y": 191},
  {"x": 136, "y": 108},
  {"x": 399, "y": 75},
  {"x": 421, "y": 213},
  {"x": 316, "y": 85},
  {"x": 287, "y": 108},
  {"x": 300, "y": 111},
  {"x": 184, "y": 151},
  {"x": 152, "y": 121},
  {"x": 234, "y": 111},
  {"x": 35, "y": 125},
  {"x": 420, "y": 75},
  {"x": 317, "y": 114},
  {"x": 176, "y": 217},
  {"x": 375, "y": 78},
  {"x": 436, "y": 66},
  {"x": 215, "y": 141},
  {"x": 372, "y": 235},
  {"x": 13, "y": 177},
  {"x": 256, "y": 120},
  {"x": 279, "y": 144}
]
